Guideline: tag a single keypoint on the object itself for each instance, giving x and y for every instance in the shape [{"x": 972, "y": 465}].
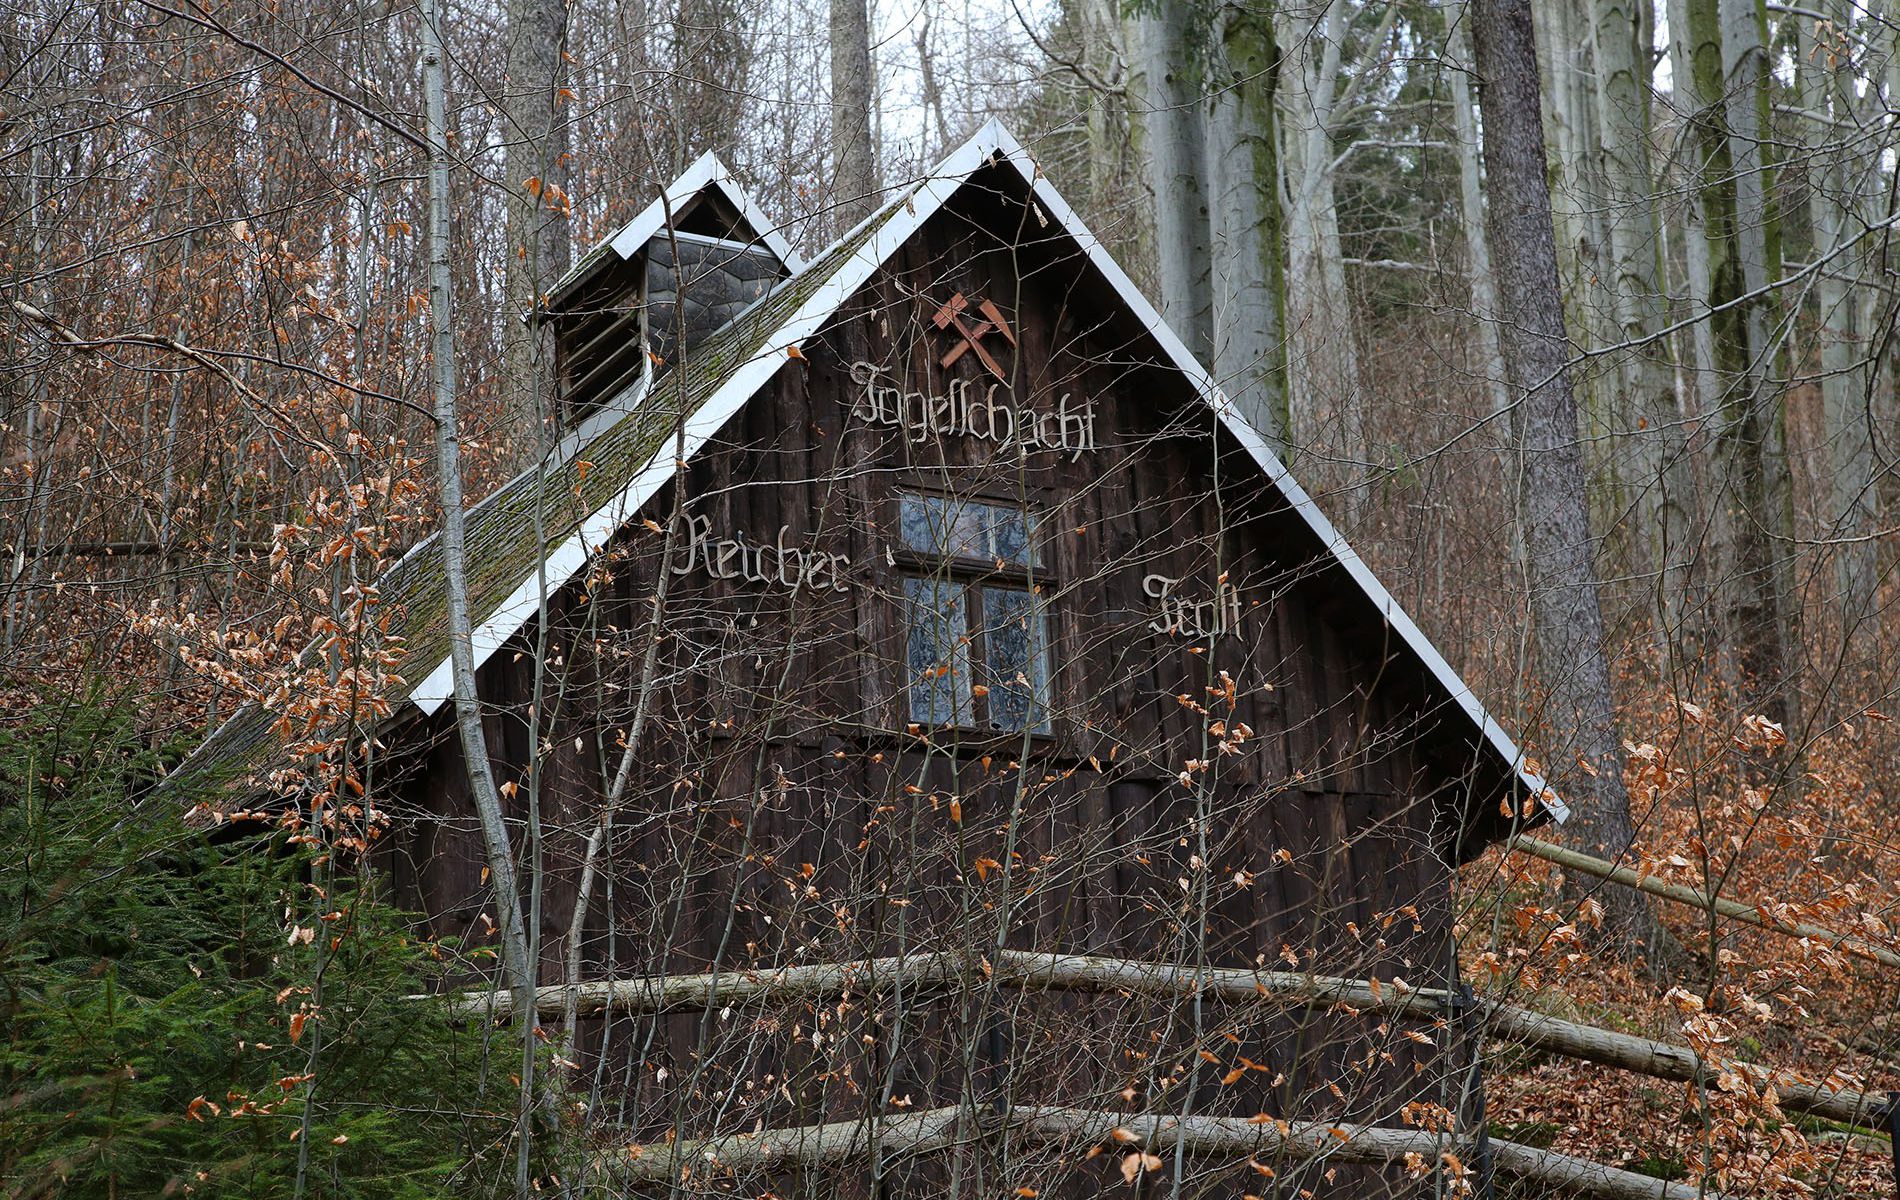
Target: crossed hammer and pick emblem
[{"x": 970, "y": 336}]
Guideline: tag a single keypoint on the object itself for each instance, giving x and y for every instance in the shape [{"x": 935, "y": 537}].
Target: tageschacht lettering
[{"x": 970, "y": 409}]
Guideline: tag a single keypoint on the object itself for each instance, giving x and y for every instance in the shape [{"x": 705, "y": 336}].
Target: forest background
[{"x": 227, "y": 356}]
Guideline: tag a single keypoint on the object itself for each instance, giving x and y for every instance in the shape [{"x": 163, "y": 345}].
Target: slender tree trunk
[
  {"x": 448, "y": 466},
  {"x": 1566, "y": 613},
  {"x": 927, "y": 73},
  {"x": 536, "y": 138},
  {"x": 854, "y": 163},
  {"x": 1838, "y": 196},
  {"x": 1701, "y": 391},
  {"x": 517, "y": 964},
  {"x": 1243, "y": 173},
  {"x": 1484, "y": 292}
]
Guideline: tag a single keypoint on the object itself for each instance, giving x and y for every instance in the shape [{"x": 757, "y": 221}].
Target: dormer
[{"x": 640, "y": 301}]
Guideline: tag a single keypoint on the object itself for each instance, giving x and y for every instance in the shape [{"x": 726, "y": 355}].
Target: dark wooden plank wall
[{"x": 781, "y": 813}]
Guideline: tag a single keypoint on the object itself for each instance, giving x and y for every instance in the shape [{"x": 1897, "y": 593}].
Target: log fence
[
  {"x": 1088, "y": 973},
  {"x": 915, "y": 1132}
]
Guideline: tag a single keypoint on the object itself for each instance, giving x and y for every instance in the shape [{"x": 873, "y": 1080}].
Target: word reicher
[
  {"x": 1192, "y": 618},
  {"x": 970, "y": 409},
  {"x": 767, "y": 562}
]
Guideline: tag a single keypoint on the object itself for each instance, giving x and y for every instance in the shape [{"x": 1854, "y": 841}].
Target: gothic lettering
[
  {"x": 772, "y": 562},
  {"x": 1192, "y": 618},
  {"x": 970, "y": 409}
]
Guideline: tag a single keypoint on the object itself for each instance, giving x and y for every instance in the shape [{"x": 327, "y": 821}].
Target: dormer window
[{"x": 976, "y": 623}]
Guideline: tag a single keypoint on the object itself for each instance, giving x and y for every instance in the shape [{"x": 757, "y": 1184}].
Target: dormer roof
[{"x": 705, "y": 199}]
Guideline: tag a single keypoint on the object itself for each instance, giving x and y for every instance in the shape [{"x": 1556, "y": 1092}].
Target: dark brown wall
[{"x": 781, "y": 812}]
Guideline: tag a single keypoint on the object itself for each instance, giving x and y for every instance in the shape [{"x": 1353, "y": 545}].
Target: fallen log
[
  {"x": 1761, "y": 917},
  {"x": 1088, "y": 973},
  {"x": 1261, "y": 1140},
  {"x": 1018, "y": 968},
  {"x": 1666, "y": 1060}
]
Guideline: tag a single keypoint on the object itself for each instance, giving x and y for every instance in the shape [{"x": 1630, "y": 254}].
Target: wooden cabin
[{"x": 951, "y": 609}]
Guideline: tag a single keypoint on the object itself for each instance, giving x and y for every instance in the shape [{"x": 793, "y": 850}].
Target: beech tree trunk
[
  {"x": 1582, "y": 211},
  {"x": 854, "y": 165},
  {"x": 1243, "y": 175},
  {"x": 1841, "y": 195},
  {"x": 1171, "y": 128},
  {"x": 1566, "y": 613},
  {"x": 1750, "y": 495},
  {"x": 1484, "y": 289},
  {"x": 536, "y": 176},
  {"x": 1648, "y": 419}
]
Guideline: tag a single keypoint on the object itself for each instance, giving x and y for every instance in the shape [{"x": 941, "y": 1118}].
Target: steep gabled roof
[{"x": 582, "y": 507}]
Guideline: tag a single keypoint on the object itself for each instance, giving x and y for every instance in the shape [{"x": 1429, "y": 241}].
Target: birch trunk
[
  {"x": 1243, "y": 175},
  {"x": 1166, "y": 93},
  {"x": 853, "y": 158},
  {"x": 517, "y": 967},
  {"x": 1565, "y": 610},
  {"x": 1323, "y": 359}
]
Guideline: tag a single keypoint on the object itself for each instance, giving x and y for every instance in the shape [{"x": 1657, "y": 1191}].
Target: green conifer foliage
[{"x": 212, "y": 1014}]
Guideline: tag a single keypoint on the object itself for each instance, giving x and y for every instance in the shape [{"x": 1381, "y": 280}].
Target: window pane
[
  {"x": 954, "y": 528},
  {"x": 1010, "y": 532},
  {"x": 922, "y": 523},
  {"x": 1016, "y": 659},
  {"x": 938, "y": 652}
]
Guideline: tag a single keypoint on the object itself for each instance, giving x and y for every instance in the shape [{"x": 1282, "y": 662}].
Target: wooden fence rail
[
  {"x": 1762, "y": 917},
  {"x": 942, "y": 1128},
  {"x": 1087, "y": 973}
]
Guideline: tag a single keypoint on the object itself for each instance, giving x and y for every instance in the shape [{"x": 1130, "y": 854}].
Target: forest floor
[{"x": 1723, "y": 803}]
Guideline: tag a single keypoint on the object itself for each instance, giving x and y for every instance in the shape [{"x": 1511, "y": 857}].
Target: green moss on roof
[{"x": 501, "y": 542}]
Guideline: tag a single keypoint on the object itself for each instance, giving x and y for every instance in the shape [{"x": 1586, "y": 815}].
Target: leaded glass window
[
  {"x": 976, "y": 626},
  {"x": 947, "y": 527},
  {"x": 937, "y": 652}
]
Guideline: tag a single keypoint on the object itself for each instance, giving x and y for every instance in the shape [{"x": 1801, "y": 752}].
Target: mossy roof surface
[{"x": 502, "y": 544}]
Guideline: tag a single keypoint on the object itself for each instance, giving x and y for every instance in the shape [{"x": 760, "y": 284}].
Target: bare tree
[
  {"x": 853, "y": 155},
  {"x": 518, "y": 968}
]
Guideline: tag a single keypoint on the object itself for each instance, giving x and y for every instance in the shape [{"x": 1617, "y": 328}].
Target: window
[{"x": 976, "y": 633}]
